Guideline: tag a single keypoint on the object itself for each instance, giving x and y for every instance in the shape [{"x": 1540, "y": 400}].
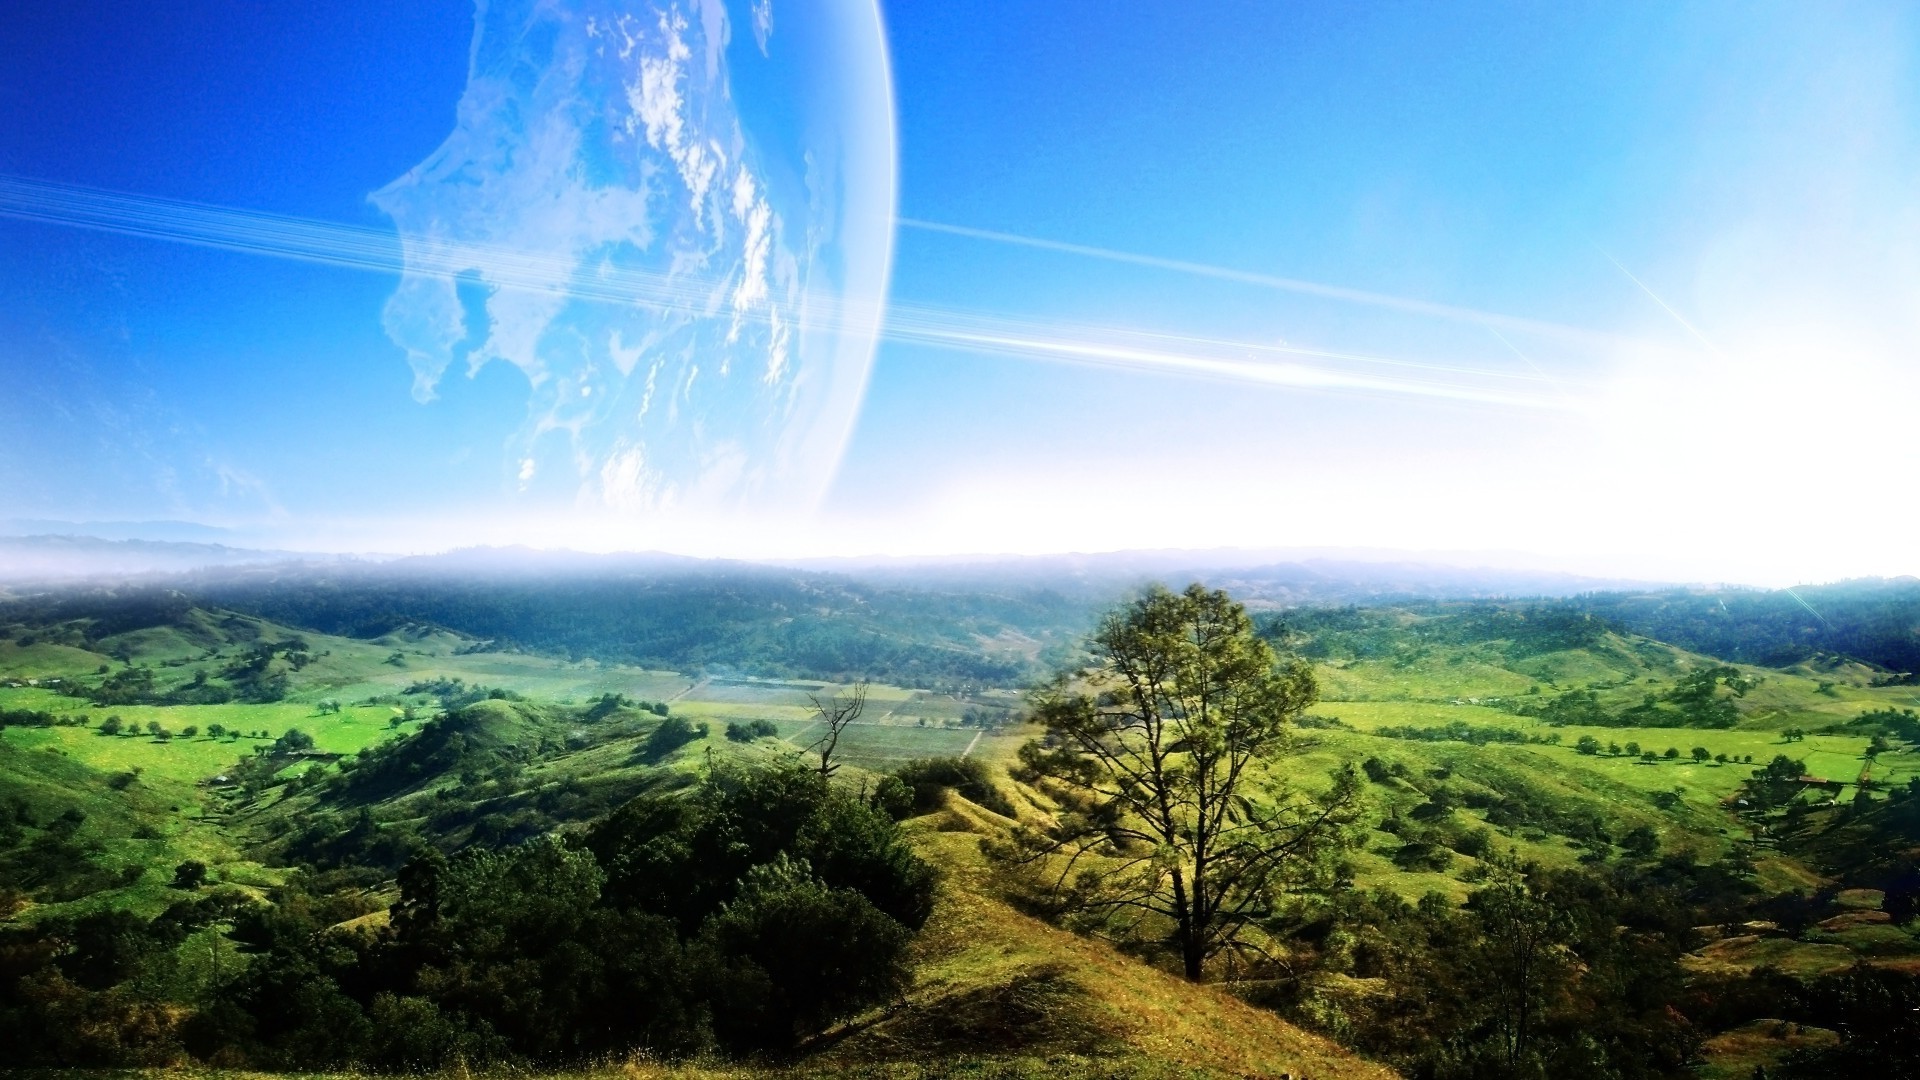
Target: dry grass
[
  {"x": 1733, "y": 1055},
  {"x": 992, "y": 980},
  {"x": 1745, "y": 952}
]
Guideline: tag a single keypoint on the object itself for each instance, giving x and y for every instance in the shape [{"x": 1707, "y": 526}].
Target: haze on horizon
[{"x": 1622, "y": 290}]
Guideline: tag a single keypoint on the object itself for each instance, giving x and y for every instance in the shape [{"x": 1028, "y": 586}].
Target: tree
[
  {"x": 189, "y": 731},
  {"x": 1701, "y": 754},
  {"x": 110, "y": 726},
  {"x": 1157, "y": 756},
  {"x": 190, "y": 874},
  {"x": 1672, "y": 753},
  {"x": 753, "y": 729},
  {"x": 672, "y": 733},
  {"x": 793, "y": 955},
  {"x": 836, "y": 715},
  {"x": 1522, "y": 959},
  {"x": 1633, "y": 749},
  {"x": 1641, "y": 841},
  {"x": 1587, "y": 745}
]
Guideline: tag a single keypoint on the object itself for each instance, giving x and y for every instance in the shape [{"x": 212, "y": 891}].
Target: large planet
[{"x": 675, "y": 218}]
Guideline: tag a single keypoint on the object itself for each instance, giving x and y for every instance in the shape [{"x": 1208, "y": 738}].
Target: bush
[
  {"x": 1641, "y": 842},
  {"x": 293, "y": 741},
  {"x": 790, "y": 955},
  {"x": 673, "y": 733},
  {"x": 751, "y": 730},
  {"x": 928, "y": 777},
  {"x": 892, "y": 797},
  {"x": 1474, "y": 843},
  {"x": 1422, "y": 855}
]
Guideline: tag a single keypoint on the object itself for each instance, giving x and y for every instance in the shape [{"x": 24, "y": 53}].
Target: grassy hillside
[
  {"x": 1422, "y": 693},
  {"x": 1486, "y": 732},
  {"x": 992, "y": 979}
]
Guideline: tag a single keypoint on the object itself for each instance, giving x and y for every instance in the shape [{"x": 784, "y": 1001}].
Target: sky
[{"x": 1621, "y": 288}]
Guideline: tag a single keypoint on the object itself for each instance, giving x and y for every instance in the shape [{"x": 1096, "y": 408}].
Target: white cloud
[{"x": 762, "y": 23}]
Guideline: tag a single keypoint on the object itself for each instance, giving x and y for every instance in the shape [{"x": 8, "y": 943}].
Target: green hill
[{"x": 293, "y": 763}]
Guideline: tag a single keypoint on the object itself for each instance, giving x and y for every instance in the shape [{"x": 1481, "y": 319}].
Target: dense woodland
[{"x": 758, "y": 622}]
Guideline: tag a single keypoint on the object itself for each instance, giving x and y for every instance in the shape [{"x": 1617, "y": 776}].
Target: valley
[{"x": 1487, "y": 736}]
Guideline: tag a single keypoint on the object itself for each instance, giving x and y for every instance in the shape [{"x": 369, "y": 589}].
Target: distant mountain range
[
  {"x": 988, "y": 619},
  {"x": 1264, "y": 578},
  {"x": 50, "y": 559}
]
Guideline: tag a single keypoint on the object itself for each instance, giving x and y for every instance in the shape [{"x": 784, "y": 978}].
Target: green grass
[
  {"x": 201, "y": 757},
  {"x": 1422, "y": 684},
  {"x": 1738, "y": 955},
  {"x": 1734, "y": 1055},
  {"x": 1833, "y": 757},
  {"x": 153, "y": 823}
]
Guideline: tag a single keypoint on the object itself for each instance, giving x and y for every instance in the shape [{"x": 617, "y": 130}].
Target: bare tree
[
  {"x": 1160, "y": 758},
  {"x": 836, "y": 715}
]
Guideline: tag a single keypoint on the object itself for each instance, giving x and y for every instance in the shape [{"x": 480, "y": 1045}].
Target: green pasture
[
  {"x": 202, "y": 756},
  {"x": 143, "y": 828},
  {"x": 1759, "y": 1045},
  {"x": 1426, "y": 678},
  {"x": 542, "y": 678},
  {"x": 1872, "y": 939},
  {"x": 1739, "y": 955},
  {"x": 45, "y": 659},
  {"x": 1832, "y": 757},
  {"x": 1621, "y": 671}
]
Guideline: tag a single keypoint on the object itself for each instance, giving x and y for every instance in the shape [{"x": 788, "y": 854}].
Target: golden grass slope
[{"x": 990, "y": 980}]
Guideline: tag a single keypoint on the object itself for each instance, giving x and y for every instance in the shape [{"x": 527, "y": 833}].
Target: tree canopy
[{"x": 1170, "y": 822}]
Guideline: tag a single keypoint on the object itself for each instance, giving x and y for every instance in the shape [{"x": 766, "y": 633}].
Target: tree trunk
[{"x": 1192, "y": 955}]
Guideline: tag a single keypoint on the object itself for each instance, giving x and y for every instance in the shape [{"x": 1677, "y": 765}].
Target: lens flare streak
[{"x": 1254, "y": 363}]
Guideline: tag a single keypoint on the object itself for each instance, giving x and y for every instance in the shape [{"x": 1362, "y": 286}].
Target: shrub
[
  {"x": 673, "y": 733},
  {"x": 928, "y": 777},
  {"x": 751, "y": 730},
  {"x": 1420, "y": 855},
  {"x": 293, "y": 741},
  {"x": 791, "y": 955}
]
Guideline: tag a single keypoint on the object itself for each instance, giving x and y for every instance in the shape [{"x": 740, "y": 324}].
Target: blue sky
[{"x": 1697, "y": 219}]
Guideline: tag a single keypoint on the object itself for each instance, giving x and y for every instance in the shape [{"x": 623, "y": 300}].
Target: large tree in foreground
[{"x": 1160, "y": 757}]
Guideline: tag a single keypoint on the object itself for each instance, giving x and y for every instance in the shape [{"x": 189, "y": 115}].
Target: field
[
  {"x": 364, "y": 684},
  {"x": 153, "y": 802}
]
